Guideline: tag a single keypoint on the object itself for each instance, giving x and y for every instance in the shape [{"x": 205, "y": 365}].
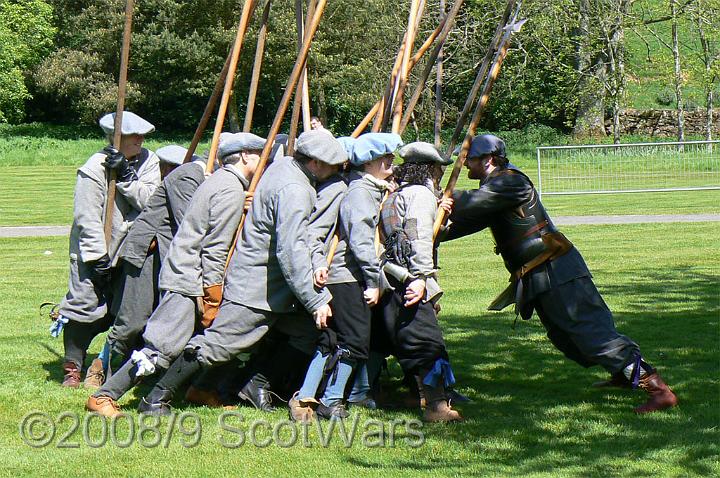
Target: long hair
[{"x": 414, "y": 173}]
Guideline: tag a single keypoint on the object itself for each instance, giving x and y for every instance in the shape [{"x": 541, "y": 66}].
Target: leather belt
[{"x": 537, "y": 227}]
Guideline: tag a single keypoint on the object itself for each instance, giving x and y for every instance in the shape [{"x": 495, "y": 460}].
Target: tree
[
  {"x": 538, "y": 82},
  {"x": 563, "y": 67},
  {"x": 676, "y": 12},
  {"x": 590, "y": 66},
  {"x": 26, "y": 35},
  {"x": 178, "y": 49},
  {"x": 614, "y": 32},
  {"x": 705, "y": 15},
  {"x": 678, "y": 81}
]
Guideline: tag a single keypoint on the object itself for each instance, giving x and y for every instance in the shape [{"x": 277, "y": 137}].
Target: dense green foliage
[
  {"x": 26, "y": 33},
  {"x": 178, "y": 48},
  {"x": 651, "y": 62}
]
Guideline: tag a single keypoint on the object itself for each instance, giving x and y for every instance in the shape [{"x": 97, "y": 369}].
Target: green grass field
[
  {"x": 534, "y": 412},
  {"x": 39, "y": 164}
]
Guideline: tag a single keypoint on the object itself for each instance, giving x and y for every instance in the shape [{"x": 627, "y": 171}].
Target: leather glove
[
  {"x": 211, "y": 303},
  {"x": 117, "y": 161},
  {"x": 100, "y": 271}
]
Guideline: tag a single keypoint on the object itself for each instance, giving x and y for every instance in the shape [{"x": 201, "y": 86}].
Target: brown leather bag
[
  {"x": 210, "y": 303},
  {"x": 556, "y": 244}
]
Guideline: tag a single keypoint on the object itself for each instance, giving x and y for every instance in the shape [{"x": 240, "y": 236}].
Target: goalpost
[{"x": 629, "y": 167}]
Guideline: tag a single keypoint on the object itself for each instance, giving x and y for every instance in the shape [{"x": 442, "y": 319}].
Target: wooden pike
[
  {"x": 301, "y": 104},
  {"x": 209, "y": 108},
  {"x": 438, "y": 87},
  {"x": 366, "y": 120},
  {"x": 480, "y": 77},
  {"x": 427, "y": 44},
  {"x": 282, "y": 109},
  {"x": 247, "y": 11},
  {"x": 385, "y": 108},
  {"x": 499, "y": 56},
  {"x": 382, "y": 110},
  {"x": 447, "y": 26},
  {"x": 117, "y": 127},
  {"x": 333, "y": 248},
  {"x": 257, "y": 67},
  {"x": 413, "y": 61},
  {"x": 397, "y": 104},
  {"x": 305, "y": 103}
]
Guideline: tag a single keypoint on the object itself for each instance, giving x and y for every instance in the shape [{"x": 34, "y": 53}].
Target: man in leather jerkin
[{"x": 548, "y": 274}]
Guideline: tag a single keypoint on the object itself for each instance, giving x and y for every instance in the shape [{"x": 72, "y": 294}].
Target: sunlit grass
[{"x": 534, "y": 412}]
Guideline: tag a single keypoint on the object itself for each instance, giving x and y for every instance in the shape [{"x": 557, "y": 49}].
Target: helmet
[{"x": 486, "y": 144}]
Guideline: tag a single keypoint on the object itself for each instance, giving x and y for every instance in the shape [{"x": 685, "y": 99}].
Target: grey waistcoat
[
  {"x": 271, "y": 268},
  {"x": 356, "y": 257},
  {"x": 197, "y": 254},
  {"x": 163, "y": 213},
  {"x": 417, "y": 206},
  {"x": 324, "y": 219},
  {"x": 87, "y": 237}
]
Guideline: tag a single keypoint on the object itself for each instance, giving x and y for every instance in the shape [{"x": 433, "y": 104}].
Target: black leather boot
[
  {"x": 257, "y": 393},
  {"x": 156, "y": 403},
  {"x": 330, "y": 412},
  {"x": 182, "y": 369}
]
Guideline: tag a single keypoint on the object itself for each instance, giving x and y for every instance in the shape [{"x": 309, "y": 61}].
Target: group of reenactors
[{"x": 332, "y": 270}]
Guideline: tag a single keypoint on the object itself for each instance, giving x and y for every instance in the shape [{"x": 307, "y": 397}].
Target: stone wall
[{"x": 663, "y": 123}]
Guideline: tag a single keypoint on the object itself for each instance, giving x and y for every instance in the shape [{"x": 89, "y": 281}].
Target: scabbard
[{"x": 506, "y": 297}]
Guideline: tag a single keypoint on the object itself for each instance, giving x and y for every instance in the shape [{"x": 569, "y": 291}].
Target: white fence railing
[{"x": 629, "y": 167}]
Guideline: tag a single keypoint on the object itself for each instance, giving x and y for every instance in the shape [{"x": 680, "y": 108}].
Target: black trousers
[
  {"x": 413, "y": 332},
  {"x": 580, "y": 324},
  {"x": 349, "y": 327},
  {"x": 77, "y": 337},
  {"x": 133, "y": 307}
]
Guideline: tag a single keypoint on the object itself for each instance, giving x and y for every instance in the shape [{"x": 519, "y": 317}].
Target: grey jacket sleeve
[
  {"x": 359, "y": 215},
  {"x": 322, "y": 222},
  {"x": 179, "y": 196},
  {"x": 88, "y": 216},
  {"x": 419, "y": 218},
  {"x": 292, "y": 205},
  {"x": 226, "y": 207},
  {"x": 139, "y": 191}
]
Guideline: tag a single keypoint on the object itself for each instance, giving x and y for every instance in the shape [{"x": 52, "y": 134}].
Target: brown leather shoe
[
  {"x": 440, "y": 412},
  {"x": 617, "y": 380},
  {"x": 302, "y": 410},
  {"x": 72, "y": 375},
  {"x": 208, "y": 398},
  {"x": 102, "y": 405},
  {"x": 95, "y": 375},
  {"x": 660, "y": 395}
]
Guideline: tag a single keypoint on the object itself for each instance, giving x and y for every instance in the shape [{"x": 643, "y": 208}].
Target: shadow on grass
[
  {"x": 536, "y": 410},
  {"x": 433, "y": 464}
]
